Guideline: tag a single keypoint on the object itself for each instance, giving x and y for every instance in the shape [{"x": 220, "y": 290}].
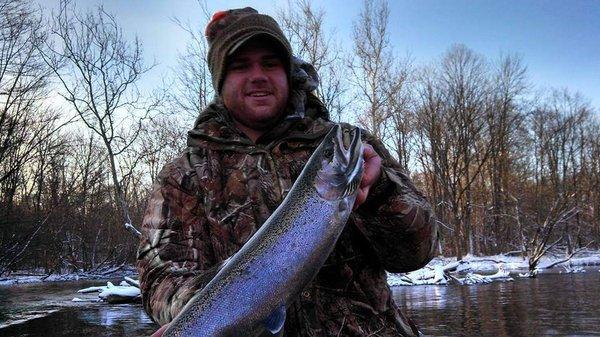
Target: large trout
[{"x": 255, "y": 285}]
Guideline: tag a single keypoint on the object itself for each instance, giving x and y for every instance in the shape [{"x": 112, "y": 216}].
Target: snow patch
[
  {"x": 23, "y": 277},
  {"x": 485, "y": 269},
  {"x": 124, "y": 292}
]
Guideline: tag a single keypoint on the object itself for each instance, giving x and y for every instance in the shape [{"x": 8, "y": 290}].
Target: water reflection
[
  {"x": 551, "y": 305},
  {"x": 47, "y": 310},
  {"x": 85, "y": 322},
  {"x": 116, "y": 315}
]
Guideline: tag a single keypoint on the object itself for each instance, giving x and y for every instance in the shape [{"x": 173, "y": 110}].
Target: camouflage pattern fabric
[
  {"x": 208, "y": 202},
  {"x": 305, "y": 80}
]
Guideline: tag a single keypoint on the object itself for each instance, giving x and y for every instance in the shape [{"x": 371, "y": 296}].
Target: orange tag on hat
[
  {"x": 218, "y": 15},
  {"x": 215, "y": 17}
]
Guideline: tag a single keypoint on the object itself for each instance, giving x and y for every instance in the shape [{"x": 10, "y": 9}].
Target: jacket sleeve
[
  {"x": 172, "y": 262},
  {"x": 396, "y": 218}
]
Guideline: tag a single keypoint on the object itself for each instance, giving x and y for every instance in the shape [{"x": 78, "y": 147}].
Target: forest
[{"x": 509, "y": 166}]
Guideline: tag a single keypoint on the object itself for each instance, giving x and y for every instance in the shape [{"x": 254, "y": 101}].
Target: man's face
[{"x": 255, "y": 89}]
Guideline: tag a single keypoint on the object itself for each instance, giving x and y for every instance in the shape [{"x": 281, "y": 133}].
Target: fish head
[{"x": 340, "y": 164}]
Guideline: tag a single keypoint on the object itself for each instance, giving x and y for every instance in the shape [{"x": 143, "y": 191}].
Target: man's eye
[
  {"x": 237, "y": 66},
  {"x": 271, "y": 64}
]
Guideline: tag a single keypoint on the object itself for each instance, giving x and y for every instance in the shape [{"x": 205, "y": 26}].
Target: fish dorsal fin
[{"x": 274, "y": 322}]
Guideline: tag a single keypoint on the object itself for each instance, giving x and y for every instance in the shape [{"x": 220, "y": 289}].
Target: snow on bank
[
  {"x": 29, "y": 277},
  {"x": 485, "y": 269},
  {"x": 123, "y": 293},
  {"x": 441, "y": 270}
]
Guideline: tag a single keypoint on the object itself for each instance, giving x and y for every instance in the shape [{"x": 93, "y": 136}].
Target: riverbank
[
  {"x": 441, "y": 270},
  {"x": 485, "y": 269},
  {"x": 23, "y": 277}
]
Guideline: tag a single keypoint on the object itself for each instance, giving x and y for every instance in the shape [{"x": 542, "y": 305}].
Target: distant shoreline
[
  {"x": 486, "y": 269},
  {"x": 28, "y": 277},
  {"x": 489, "y": 268}
]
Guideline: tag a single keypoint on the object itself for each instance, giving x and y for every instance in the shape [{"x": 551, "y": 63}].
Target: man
[{"x": 244, "y": 153}]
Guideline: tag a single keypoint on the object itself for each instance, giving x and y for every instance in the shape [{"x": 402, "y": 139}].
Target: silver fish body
[{"x": 254, "y": 286}]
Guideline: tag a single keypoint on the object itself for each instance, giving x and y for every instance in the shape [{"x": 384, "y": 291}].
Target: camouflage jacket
[{"x": 208, "y": 202}]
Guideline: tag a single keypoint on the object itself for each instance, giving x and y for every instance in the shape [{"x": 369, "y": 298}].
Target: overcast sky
[{"x": 559, "y": 41}]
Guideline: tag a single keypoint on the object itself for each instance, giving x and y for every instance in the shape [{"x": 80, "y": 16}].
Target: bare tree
[
  {"x": 24, "y": 121},
  {"x": 451, "y": 126},
  {"x": 434, "y": 147},
  {"x": 505, "y": 118},
  {"x": 544, "y": 236},
  {"x": 160, "y": 143},
  {"x": 98, "y": 69},
  {"x": 592, "y": 171},
  {"x": 372, "y": 64},
  {"x": 562, "y": 135},
  {"x": 465, "y": 85},
  {"x": 192, "y": 90},
  {"x": 13, "y": 248},
  {"x": 400, "y": 109},
  {"x": 27, "y": 126},
  {"x": 304, "y": 26}
]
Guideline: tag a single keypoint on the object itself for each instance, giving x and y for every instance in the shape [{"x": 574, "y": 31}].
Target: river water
[{"x": 550, "y": 305}]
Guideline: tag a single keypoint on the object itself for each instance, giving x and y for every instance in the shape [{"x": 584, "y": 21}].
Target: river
[{"x": 550, "y": 305}]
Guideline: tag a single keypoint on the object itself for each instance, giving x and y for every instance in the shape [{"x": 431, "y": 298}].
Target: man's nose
[{"x": 257, "y": 73}]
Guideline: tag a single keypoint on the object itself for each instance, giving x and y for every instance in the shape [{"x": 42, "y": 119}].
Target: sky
[{"x": 558, "y": 41}]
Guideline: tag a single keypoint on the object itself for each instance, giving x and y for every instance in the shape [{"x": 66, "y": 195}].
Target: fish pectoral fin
[{"x": 274, "y": 322}]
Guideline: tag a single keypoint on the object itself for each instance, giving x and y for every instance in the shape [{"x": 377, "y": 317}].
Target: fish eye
[{"x": 328, "y": 152}]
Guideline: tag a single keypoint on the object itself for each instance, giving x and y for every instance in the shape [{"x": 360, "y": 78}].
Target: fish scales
[{"x": 285, "y": 254}]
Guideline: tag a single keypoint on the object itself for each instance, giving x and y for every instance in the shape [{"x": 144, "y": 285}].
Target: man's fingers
[
  {"x": 371, "y": 172},
  {"x": 368, "y": 151},
  {"x": 372, "y": 166},
  {"x": 360, "y": 197}
]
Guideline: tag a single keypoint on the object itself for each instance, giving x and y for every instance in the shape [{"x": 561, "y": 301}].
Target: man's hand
[
  {"x": 160, "y": 331},
  {"x": 371, "y": 173}
]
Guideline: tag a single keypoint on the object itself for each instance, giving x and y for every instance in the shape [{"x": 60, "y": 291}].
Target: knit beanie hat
[{"x": 229, "y": 30}]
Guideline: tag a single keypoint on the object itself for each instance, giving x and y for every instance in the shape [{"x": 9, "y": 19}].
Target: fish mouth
[
  {"x": 350, "y": 147},
  {"x": 341, "y": 163}
]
